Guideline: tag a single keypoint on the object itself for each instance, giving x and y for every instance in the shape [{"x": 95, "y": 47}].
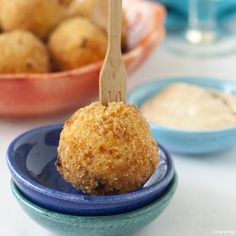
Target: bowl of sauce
[{"x": 190, "y": 115}]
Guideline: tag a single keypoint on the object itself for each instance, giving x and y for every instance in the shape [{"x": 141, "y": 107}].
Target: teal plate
[{"x": 114, "y": 225}]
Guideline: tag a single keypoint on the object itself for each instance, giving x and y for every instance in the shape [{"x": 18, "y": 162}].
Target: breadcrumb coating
[{"x": 107, "y": 150}]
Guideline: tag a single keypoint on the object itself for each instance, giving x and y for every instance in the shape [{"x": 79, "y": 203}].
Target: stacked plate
[{"x": 57, "y": 206}]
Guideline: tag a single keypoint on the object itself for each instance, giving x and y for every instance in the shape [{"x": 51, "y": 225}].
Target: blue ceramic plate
[
  {"x": 31, "y": 159},
  {"x": 183, "y": 141}
]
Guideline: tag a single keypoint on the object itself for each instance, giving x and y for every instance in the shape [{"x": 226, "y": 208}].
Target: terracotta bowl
[{"x": 32, "y": 95}]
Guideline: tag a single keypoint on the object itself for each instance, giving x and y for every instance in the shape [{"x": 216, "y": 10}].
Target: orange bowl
[{"x": 31, "y": 95}]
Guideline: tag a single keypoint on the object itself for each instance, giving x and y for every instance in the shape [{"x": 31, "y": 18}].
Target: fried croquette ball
[
  {"x": 38, "y": 16},
  {"x": 22, "y": 52},
  {"x": 77, "y": 42},
  {"x": 97, "y": 12},
  {"x": 107, "y": 150}
]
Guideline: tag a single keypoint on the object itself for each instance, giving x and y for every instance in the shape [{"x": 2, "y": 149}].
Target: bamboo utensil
[{"x": 112, "y": 81}]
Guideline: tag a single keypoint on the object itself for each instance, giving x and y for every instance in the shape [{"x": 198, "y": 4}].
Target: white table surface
[{"x": 205, "y": 201}]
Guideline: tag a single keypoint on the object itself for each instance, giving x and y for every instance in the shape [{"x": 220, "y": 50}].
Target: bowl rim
[
  {"x": 33, "y": 185},
  {"x": 134, "y": 93},
  {"x": 93, "y": 66},
  {"x": 165, "y": 197}
]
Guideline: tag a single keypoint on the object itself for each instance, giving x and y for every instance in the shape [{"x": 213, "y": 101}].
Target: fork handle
[
  {"x": 112, "y": 80},
  {"x": 114, "y": 27}
]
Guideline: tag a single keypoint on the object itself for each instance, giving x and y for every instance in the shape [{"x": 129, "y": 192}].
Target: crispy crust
[{"x": 107, "y": 150}]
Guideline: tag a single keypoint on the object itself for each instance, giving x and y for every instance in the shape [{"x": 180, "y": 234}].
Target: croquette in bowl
[
  {"x": 77, "y": 42},
  {"x": 97, "y": 12},
  {"x": 22, "y": 52},
  {"x": 38, "y": 16}
]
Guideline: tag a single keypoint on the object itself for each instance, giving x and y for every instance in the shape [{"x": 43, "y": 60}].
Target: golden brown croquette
[
  {"x": 77, "y": 42},
  {"x": 107, "y": 150},
  {"x": 38, "y": 16},
  {"x": 22, "y": 52},
  {"x": 92, "y": 10}
]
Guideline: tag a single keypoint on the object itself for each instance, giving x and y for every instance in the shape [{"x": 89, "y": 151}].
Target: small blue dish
[
  {"x": 184, "y": 141},
  {"x": 31, "y": 158}
]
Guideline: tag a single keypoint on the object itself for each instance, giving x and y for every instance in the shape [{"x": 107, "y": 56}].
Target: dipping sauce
[{"x": 190, "y": 107}]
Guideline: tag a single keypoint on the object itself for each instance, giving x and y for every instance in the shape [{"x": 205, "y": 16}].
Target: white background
[{"x": 205, "y": 201}]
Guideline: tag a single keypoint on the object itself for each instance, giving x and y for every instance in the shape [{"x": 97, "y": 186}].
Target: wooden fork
[{"x": 112, "y": 81}]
